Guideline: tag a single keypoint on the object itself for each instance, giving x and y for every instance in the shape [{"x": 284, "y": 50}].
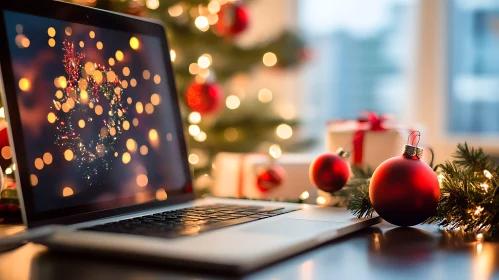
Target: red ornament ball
[
  {"x": 270, "y": 178},
  {"x": 329, "y": 172},
  {"x": 404, "y": 190},
  {"x": 233, "y": 19},
  {"x": 204, "y": 98}
]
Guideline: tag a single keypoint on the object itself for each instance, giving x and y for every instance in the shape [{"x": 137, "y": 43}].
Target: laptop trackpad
[{"x": 293, "y": 227}]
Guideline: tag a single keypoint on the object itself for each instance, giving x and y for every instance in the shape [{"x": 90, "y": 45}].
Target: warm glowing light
[
  {"x": 8, "y": 171},
  {"x": 115, "y": 154},
  {"x": 2, "y": 113},
  {"x": 112, "y": 131},
  {"x": 152, "y": 4},
  {"x": 63, "y": 82},
  {"x": 175, "y": 10},
  {"x": 89, "y": 68},
  {"x": 284, "y": 131},
  {"x": 47, "y": 158},
  {"x": 68, "y": 155},
  {"x": 124, "y": 84},
  {"x": 126, "y": 125},
  {"x": 111, "y": 61},
  {"x": 484, "y": 186},
  {"x": 275, "y": 151},
  {"x": 479, "y": 237},
  {"x": 269, "y": 59},
  {"x": 68, "y": 31},
  {"x": 212, "y": 19},
  {"x": 194, "y": 117},
  {"x": 135, "y": 122},
  {"x": 126, "y": 157},
  {"x": 201, "y": 137},
  {"x": 157, "y": 79},
  {"x": 51, "y": 117},
  {"x": 58, "y": 94},
  {"x": 6, "y": 152},
  {"x": 133, "y": 82},
  {"x": 440, "y": 178},
  {"x": 91, "y": 34},
  {"x": 194, "y": 130},
  {"x": 99, "y": 45},
  {"x": 126, "y": 71},
  {"x": 119, "y": 55},
  {"x": 146, "y": 74},
  {"x": 321, "y": 200},
  {"x": 24, "y": 84},
  {"x": 155, "y": 99},
  {"x": 213, "y": 6},
  {"x": 142, "y": 180},
  {"x": 487, "y": 174},
  {"x": 153, "y": 135},
  {"x": 65, "y": 107},
  {"x": 478, "y": 210},
  {"x": 25, "y": 42},
  {"x": 193, "y": 68},
  {"x": 134, "y": 43},
  {"x": 131, "y": 145},
  {"x": 169, "y": 137},
  {"x": 81, "y": 123},
  {"x": 39, "y": 163},
  {"x": 52, "y": 42},
  {"x": 82, "y": 44},
  {"x": 304, "y": 195},
  {"x": 173, "y": 55},
  {"x": 139, "y": 107},
  {"x": 149, "y": 108},
  {"x": 193, "y": 159},
  {"x": 98, "y": 110},
  {"x": 161, "y": 194},
  {"x": 265, "y": 95},
  {"x": 232, "y": 102},
  {"x": 231, "y": 134},
  {"x": 33, "y": 180},
  {"x": 111, "y": 77},
  {"x": 83, "y": 84},
  {"x": 67, "y": 191},
  {"x": 202, "y": 23},
  {"x": 144, "y": 150},
  {"x": 51, "y": 31},
  {"x": 204, "y": 61}
]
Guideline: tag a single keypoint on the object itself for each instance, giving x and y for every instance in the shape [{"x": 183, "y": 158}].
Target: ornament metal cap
[
  {"x": 342, "y": 153},
  {"x": 413, "y": 150}
]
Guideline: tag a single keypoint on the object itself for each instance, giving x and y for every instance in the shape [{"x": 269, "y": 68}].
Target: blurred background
[{"x": 252, "y": 74}]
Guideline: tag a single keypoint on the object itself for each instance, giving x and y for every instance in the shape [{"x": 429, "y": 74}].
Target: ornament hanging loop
[
  {"x": 418, "y": 136},
  {"x": 411, "y": 150}
]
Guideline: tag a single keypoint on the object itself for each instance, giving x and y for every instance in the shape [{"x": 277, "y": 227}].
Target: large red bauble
[
  {"x": 233, "y": 19},
  {"x": 270, "y": 178},
  {"x": 329, "y": 172},
  {"x": 203, "y": 98},
  {"x": 404, "y": 191}
]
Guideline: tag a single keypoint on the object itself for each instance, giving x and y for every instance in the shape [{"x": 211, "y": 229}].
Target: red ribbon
[{"x": 374, "y": 122}]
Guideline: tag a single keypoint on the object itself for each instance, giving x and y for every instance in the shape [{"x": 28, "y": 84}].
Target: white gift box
[
  {"x": 235, "y": 175},
  {"x": 376, "y": 146}
]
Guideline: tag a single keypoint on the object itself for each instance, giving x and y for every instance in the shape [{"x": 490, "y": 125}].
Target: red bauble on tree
[
  {"x": 204, "y": 98},
  {"x": 404, "y": 190},
  {"x": 270, "y": 178},
  {"x": 329, "y": 172},
  {"x": 233, "y": 18}
]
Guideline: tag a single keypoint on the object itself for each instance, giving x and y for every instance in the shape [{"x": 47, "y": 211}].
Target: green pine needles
[{"x": 469, "y": 196}]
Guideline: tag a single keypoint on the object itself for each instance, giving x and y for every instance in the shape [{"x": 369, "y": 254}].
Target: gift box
[
  {"x": 236, "y": 175},
  {"x": 370, "y": 141}
]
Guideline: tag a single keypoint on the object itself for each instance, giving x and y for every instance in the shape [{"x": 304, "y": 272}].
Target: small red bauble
[
  {"x": 270, "y": 178},
  {"x": 329, "y": 172},
  {"x": 204, "y": 98},
  {"x": 404, "y": 190},
  {"x": 233, "y": 19}
]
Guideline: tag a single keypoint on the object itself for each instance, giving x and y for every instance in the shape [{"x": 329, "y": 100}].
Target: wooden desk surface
[{"x": 381, "y": 252}]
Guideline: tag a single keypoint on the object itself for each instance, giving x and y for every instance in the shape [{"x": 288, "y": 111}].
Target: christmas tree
[{"x": 207, "y": 60}]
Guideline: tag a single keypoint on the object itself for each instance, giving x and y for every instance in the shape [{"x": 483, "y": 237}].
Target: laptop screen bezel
[{"x": 98, "y": 18}]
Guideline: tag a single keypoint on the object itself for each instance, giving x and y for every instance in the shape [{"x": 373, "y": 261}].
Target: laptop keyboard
[{"x": 192, "y": 220}]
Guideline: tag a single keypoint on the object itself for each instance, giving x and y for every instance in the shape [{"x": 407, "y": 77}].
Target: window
[{"x": 473, "y": 67}]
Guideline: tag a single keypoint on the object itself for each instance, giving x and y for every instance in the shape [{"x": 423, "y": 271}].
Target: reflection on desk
[{"x": 382, "y": 252}]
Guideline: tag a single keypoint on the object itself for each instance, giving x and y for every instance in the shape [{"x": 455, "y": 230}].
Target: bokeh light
[
  {"x": 153, "y": 135},
  {"x": 91, "y": 34},
  {"x": 152, "y": 4},
  {"x": 68, "y": 31},
  {"x": 99, "y": 45},
  {"x": 146, "y": 74},
  {"x": 149, "y": 108},
  {"x": 126, "y": 157},
  {"x": 231, "y": 134},
  {"x": 202, "y": 23},
  {"x": 81, "y": 123},
  {"x": 144, "y": 150},
  {"x": 126, "y": 71},
  {"x": 67, "y": 191},
  {"x": 134, "y": 43},
  {"x": 175, "y": 10},
  {"x": 51, "y": 31},
  {"x": 194, "y": 130},
  {"x": 24, "y": 84},
  {"x": 155, "y": 99},
  {"x": 33, "y": 180},
  {"x": 68, "y": 155},
  {"x": 131, "y": 145},
  {"x": 6, "y": 152},
  {"x": 119, "y": 55},
  {"x": 265, "y": 95},
  {"x": 47, "y": 158},
  {"x": 157, "y": 79},
  {"x": 51, "y": 117},
  {"x": 161, "y": 194},
  {"x": 194, "y": 117},
  {"x": 232, "y": 102},
  {"x": 39, "y": 164},
  {"x": 284, "y": 131},
  {"x": 193, "y": 159},
  {"x": 142, "y": 180},
  {"x": 52, "y": 42},
  {"x": 269, "y": 59},
  {"x": 139, "y": 107}
]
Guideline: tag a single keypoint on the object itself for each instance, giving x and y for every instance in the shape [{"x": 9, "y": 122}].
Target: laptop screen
[{"x": 97, "y": 114}]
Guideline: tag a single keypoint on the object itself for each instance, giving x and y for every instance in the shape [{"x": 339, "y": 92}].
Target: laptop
[{"x": 99, "y": 147}]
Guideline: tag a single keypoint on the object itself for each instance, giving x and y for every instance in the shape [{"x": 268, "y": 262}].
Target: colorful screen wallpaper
[{"x": 96, "y": 112}]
